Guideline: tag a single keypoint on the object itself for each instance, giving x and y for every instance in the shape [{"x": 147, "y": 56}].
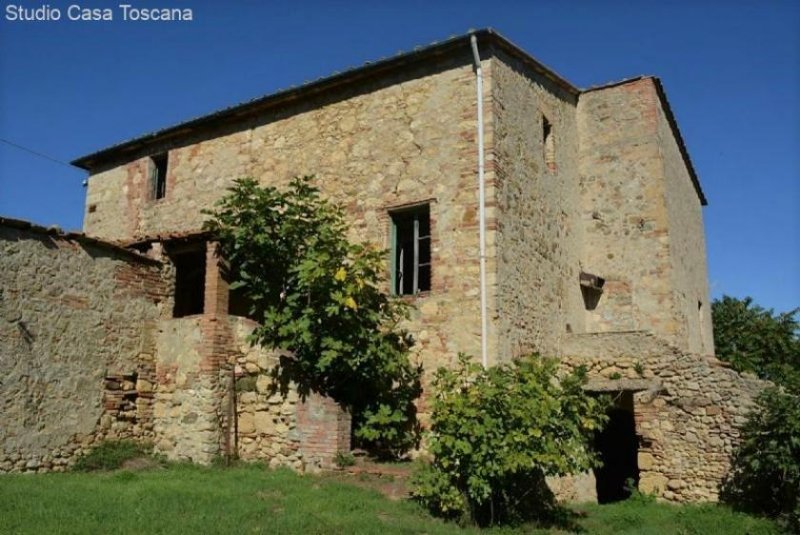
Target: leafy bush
[
  {"x": 765, "y": 476},
  {"x": 110, "y": 455},
  {"x": 496, "y": 433},
  {"x": 319, "y": 298}
]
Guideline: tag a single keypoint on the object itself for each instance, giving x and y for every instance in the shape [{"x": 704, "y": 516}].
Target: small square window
[
  {"x": 158, "y": 176},
  {"x": 411, "y": 250}
]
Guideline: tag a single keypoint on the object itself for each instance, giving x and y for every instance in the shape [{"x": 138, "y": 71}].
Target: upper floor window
[
  {"x": 158, "y": 175},
  {"x": 411, "y": 250},
  {"x": 548, "y": 143}
]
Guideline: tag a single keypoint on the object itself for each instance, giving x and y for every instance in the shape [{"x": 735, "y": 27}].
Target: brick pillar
[
  {"x": 218, "y": 344},
  {"x": 216, "y": 288},
  {"x": 324, "y": 428}
]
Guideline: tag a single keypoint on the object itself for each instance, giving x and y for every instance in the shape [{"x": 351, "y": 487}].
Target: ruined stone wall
[
  {"x": 214, "y": 397},
  {"x": 77, "y": 337},
  {"x": 538, "y": 203},
  {"x": 689, "y": 274},
  {"x": 382, "y": 145},
  {"x": 304, "y": 433},
  {"x": 688, "y": 408},
  {"x": 194, "y": 357},
  {"x": 624, "y": 213}
]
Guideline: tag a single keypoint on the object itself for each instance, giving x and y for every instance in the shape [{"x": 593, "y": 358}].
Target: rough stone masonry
[{"x": 595, "y": 254}]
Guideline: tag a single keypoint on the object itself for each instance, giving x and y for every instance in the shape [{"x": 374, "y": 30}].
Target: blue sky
[{"x": 731, "y": 70}]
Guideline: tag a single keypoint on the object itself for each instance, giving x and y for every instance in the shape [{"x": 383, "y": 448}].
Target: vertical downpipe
[{"x": 481, "y": 201}]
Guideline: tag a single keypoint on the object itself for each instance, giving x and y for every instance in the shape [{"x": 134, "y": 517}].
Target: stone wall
[
  {"x": 538, "y": 203},
  {"x": 689, "y": 274},
  {"x": 642, "y": 218},
  {"x": 282, "y": 428},
  {"x": 387, "y": 143},
  {"x": 77, "y": 338},
  {"x": 187, "y": 421},
  {"x": 688, "y": 408},
  {"x": 624, "y": 213}
]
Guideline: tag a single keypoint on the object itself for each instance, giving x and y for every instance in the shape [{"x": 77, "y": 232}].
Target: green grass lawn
[{"x": 251, "y": 499}]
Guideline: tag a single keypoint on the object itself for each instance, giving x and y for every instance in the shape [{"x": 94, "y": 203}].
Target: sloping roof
[
  {"x": 370, "y": 70},
  {"x": 354, "y": 75},
  {"x": 80, "y": 237}
]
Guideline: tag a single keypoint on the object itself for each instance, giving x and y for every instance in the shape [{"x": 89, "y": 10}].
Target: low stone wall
[
  {"x": 77, "y": 318},
  {"x": 303, "y": 433},
  {"x": 688, "y": 409}
]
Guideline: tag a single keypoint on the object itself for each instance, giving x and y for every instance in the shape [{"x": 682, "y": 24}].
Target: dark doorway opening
[
  {"x": 190, "y": 276},
  {"x": 618, "y": 447}
]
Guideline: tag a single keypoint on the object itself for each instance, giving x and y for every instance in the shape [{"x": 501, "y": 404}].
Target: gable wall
[
  {"x": 642, "y": 219},
  {"x": 624, "y": 213}
]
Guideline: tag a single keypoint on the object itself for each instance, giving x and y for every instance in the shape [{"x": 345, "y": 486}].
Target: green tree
[
  {"x": 318, "y": 298},
  {"x": 765, "y": 473},
  {"x": 496, "y": 433},
  {"x": 756, "y": 340}
]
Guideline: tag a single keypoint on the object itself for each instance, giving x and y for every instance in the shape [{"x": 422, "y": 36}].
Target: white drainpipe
[{"x": 481, "y": 201}]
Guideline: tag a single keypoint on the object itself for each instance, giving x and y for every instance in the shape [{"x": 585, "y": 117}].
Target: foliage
[
  {"x": 757, "y": 340},
  {"x": 318, "y": 297},
  {"x": 344, "y": 459},
  {"x": 765, "y": 476},
  {"x": 110, "y": 455},
  {"x": 495, "y": 435}
]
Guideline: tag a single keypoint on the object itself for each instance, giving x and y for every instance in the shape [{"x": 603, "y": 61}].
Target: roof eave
[{"x": 369, "y": 69}]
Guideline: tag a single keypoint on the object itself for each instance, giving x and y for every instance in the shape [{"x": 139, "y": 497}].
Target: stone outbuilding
[{"x": 521, "y": 214}]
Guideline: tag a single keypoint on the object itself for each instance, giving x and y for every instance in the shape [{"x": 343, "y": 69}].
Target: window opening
[
  {"x": 411, "y": 248},
  {"x": 548, "y": 144},
  {"x": 190, "y": 282},
  {"x": 158, "y": 175}
]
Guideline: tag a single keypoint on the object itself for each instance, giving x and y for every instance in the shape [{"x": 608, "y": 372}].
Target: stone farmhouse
[{"x": 522, "y": 214}]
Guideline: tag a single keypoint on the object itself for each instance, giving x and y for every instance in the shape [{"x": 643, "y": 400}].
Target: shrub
[
  {"x": 496, "y": 433},
  {"x": 765, "y": 473},
  {"x": 765, "y": 476},
  {"x": 110, "y": 455}
]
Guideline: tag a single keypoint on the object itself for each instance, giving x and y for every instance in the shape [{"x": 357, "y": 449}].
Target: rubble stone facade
[
  {"x": 581, "y": 185},
  {"x": 78, "y": 322}
]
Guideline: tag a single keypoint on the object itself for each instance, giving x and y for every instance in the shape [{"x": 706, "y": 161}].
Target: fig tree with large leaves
[{"x": 320, "y": 299}]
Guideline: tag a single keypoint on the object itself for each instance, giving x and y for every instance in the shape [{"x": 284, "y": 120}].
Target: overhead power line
[{"x": 37, "y": 153}]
